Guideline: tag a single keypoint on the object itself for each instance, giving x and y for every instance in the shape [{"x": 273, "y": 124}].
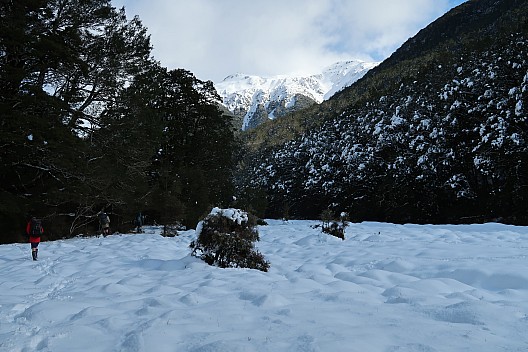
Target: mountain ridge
[{"x": 255, "y": 99}]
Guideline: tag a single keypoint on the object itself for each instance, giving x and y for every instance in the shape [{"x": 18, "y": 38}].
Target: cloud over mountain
[{"x": 215, "y": 38}]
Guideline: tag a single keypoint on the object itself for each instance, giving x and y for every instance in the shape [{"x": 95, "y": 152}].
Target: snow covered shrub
[
  {"x": 171, "y": 230},
  {"x": 333, "y": 227},
  {"x": 262, "y": 222},
  {"x": 226, "y": 239}
]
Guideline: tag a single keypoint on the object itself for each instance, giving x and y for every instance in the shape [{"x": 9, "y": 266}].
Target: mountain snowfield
[
  {"x": 244, "y": 94},
  {"x": 386, "y": 287}
]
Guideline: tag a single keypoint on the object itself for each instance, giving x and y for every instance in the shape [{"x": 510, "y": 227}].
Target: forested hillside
[
  {"x": 90, "y": 122},
  {"x": 436, "y": 133}
]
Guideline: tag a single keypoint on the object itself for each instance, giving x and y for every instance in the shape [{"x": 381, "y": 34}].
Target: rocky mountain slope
[{"x": 255, "y": 99}]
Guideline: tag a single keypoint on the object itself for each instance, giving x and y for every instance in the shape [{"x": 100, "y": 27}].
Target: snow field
[{"x": 385, "y": 288}]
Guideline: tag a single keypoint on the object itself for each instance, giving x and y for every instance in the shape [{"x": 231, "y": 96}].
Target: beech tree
[
  {"x": 61, "y": 63},
  {"x": 192, "y": 167}
]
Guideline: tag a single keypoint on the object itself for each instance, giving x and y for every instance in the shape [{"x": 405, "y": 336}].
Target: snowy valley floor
[{"x": 385, "y": 288}]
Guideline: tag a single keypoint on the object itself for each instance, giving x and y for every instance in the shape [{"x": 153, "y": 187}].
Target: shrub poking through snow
[
  {"x": 172, "y": 230},
  {"x": 226, "y": 237},
  {"x": 333, "y": 227}
]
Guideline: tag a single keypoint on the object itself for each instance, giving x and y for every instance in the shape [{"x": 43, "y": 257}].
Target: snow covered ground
[{"x": 385, "y": 288}]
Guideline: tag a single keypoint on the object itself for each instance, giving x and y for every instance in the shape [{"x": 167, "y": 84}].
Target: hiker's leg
[{"x": 34, "y": 250}]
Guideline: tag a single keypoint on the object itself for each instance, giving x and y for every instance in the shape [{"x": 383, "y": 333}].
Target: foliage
[
  {"x": 172, "y": 230},
  {"x": 193, "y": 162},
  {"x": 332, "y": 226},
  {"x": 90, "y": 121},
  {"x": 226, "y": 239},
  {"x": 60, "y": 63}
]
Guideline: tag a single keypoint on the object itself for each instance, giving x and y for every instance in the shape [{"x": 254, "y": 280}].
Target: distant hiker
[
  {"x": 138, "y": 222},
  {"x": 104, "y": 223},
  {"x": 34, "y": 230}
]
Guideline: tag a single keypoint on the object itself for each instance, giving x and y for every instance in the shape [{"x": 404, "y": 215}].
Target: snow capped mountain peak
[
  {"x": 345, "y": 73},
  {"x": 256, "y": 98}
]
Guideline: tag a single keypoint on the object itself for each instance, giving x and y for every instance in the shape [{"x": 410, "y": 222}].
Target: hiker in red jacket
[{"x": 34, "y": 230}]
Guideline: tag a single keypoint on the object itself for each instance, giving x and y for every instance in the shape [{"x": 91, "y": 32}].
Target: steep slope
[
  {"x": 258, "y": 99},
  {"x": 436, "y": 133}
]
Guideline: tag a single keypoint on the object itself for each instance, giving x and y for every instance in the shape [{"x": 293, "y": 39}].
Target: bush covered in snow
[
  {"x": 332, "y": 226},
  {"x": 226, "y": 237}
]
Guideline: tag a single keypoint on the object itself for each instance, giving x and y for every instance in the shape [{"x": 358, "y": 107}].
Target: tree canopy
[{"x": 91, "y": 121}]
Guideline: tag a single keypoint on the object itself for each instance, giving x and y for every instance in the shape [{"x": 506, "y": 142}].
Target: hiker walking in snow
[
  {"x": 34, "y": 230},
  {"x": 104, "y": 223},
  {"x": 138, "y": 222}
]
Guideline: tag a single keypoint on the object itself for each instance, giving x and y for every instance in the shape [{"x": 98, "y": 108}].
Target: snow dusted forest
[{"x": 436, "y": 133}]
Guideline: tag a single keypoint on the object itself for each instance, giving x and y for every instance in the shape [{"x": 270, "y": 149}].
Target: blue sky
[{"x": 216, "y": 38}]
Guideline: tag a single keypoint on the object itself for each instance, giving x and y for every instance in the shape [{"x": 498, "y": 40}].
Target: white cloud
[{"x": 215, "y": 38}]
